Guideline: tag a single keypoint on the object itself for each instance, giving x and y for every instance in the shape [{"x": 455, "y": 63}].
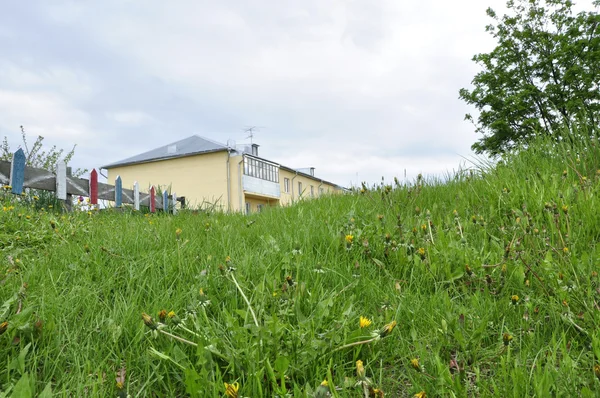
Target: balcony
[{"x": 261, "y": 187}]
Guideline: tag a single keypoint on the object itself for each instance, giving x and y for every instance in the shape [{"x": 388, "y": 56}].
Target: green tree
[
  {"x": 38, "y": 157},
  {"x": 543, "y": 76}
]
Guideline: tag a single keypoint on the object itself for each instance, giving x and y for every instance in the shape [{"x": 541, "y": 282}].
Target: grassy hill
[{"x": 482, "y": 285}]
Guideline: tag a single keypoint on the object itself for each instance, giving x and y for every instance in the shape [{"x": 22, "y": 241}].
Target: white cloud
[
  {"x": 42, "y": 114},
  {"x": 346, "y": 86},
  {"x": 130, "y": 118}
]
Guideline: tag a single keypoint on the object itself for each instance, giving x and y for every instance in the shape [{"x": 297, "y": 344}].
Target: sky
[{"x": 358, "y": 89}]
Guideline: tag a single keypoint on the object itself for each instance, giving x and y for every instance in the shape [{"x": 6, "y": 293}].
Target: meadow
[{"x": 483, "y": 284}]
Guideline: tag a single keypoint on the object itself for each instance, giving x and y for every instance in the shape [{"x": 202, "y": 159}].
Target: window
[
  {"x": 247, "y": 208},
  {"x": 259, "y": 169},
  {"x": 321, "y": 191},
  {"x": 312, "y": 191},
  {"x": 299, "y": 188},
  {"x": 260, "y": 207},
  {"x": 286, "y": 185}
]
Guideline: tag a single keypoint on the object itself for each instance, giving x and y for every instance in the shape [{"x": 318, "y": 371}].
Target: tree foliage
[
  {"x": 543, "y": 76},
  {"x": 38, "y": 157}
]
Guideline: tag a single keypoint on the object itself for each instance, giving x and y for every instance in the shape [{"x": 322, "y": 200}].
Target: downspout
[
  {"x": 319, "y": 188},
  {"x": 228, "y": 182},
  {"x": 293, "y": 186},
  {"x": 240, "y": 182}
]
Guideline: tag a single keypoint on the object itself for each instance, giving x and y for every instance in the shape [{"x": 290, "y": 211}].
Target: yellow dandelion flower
[
  {"x": 360, "y": 369},
  {"x": 120, "y": 385},
  {"x": 421, "y": 394},
  {"x": 324, "y": 383},
  {"x": 506, "y": 338},
  {"x": 228, "y": 259},
  {"x": 415, "y": 364},
  {"x": 162, "y": 315},
  {"x": 597, "y": 370},
  {"x": 349, "y": 239},
  {"x": 421, "y": 253},
  {"x": 364, "y": 322},
  {"x": 148, "y": 321},
  {"x": 514, "y": 299},
  {"x": 375, "y": 392},
  {"x": 178, "y": 232},
  {"x": 3, "y": 327},
  {"x": 387, "y": 329},
  {"x": 231, "y": 390},
  {"x": 171, "y": 314}
]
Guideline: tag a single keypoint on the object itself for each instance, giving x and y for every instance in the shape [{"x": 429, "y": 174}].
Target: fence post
[
  {"x": 94, "y": 187},
  {"x": 136, "y": 195},
  {"x": 61, "y": 183},
  {"x": 17, "y": 172},
  {"x": 152, "y": 199},
  {"x": 118, "y": 192},
  {"x": 69, "y": 200},
  {"x": 165, "y": 201}
]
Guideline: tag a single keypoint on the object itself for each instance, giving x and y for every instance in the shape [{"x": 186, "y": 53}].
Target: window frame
[{"x": 261, "y": 169}]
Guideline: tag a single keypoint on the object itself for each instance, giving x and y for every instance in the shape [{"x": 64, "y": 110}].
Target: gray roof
[{"x": 188, "y": 146}]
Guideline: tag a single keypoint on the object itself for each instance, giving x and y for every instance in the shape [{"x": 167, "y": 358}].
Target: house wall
[
  {"x": 307, "y": 182},
  {"x": 200, "y": 178},
  {"x": 254, "y": 201},
  {"x": 203, "y": 178}
]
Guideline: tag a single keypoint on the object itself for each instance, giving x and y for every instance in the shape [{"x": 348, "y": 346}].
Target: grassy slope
[{"x": 528, "y": 229}]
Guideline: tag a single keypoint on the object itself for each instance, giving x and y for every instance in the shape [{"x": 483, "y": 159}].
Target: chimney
[
  {"x": 312, "y": 171},
  {"x": 255, "y": 149}
]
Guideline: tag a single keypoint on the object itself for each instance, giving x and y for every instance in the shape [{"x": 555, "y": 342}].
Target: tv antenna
[{"x": 250, "y": 130}]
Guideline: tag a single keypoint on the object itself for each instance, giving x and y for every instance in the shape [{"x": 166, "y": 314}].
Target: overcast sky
[{"x": 359, "y": 89}]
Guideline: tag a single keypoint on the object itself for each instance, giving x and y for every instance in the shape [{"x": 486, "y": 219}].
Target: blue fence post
[
  {"x": 118, "y": 192},
  {"x": 17, "y": 172}
]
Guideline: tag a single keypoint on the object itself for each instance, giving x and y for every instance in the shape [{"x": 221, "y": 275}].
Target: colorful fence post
[
  {"x": 152, "y": 199},
  {"x": 17, "y": 172},
  {"x": 19, "y": 176},
  {"x": 61, "y": 181},
  {"x": 136, "y": 195},
  {"x": 165, "y": 201},
  {"x": 94, "y": 187},
  {"x": 118, "y": 192}
]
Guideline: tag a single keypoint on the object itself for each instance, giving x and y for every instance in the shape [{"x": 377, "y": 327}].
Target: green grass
[{"x": 441, "y": 258}]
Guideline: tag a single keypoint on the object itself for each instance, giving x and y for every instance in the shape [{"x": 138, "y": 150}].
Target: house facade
[{"x": 208, "y": 173}]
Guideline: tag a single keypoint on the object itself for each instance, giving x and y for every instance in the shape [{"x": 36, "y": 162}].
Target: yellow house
[{"x": 208, "y": 173}]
